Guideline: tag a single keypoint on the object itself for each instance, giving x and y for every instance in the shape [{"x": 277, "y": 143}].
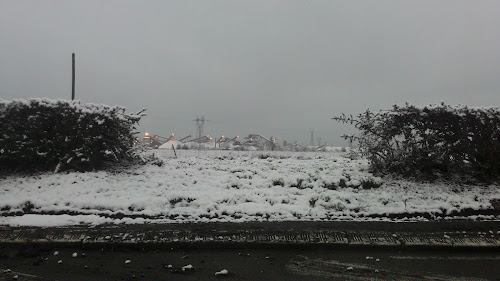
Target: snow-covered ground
[{"x": 204, "y": 186}]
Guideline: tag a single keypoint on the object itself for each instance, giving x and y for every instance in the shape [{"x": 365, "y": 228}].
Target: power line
[{"x": 200, "y": 122}]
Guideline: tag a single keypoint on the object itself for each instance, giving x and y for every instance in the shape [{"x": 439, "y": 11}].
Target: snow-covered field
[{"x": 205, "y": 186}]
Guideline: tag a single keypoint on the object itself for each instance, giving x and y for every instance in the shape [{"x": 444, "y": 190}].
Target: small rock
[
  {"x": 350, "y": 268},
  {"x": 187, "y": 267},
  {"x": 56, "y": 253},
  {"x": 369, "y": 258},
  {"x": 75, "y": 254},
  {"x": 376, "y": 270},
  {"x": 222, "y": 272},
  {"x": 377, "y": 260},
  {"x": 6, "y": 271},
  {"x": 59, "y": 261},
  {"x": 15, "y": 277},
  {"x": 169, "y": 266},
  {"x": 394, "y": 235},
  {"x": 186, "y": 256},
  {"x": 267, "y": 258},
  {"x": 83, "y": 254},
  {"x": 128, "y": 261},
  {"x": 446, "y": 236}
]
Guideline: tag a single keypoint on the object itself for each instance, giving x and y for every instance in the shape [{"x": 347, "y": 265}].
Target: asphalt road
[
  {"x": 440, "y": 250},
  {"x": 40, "y": 263}
]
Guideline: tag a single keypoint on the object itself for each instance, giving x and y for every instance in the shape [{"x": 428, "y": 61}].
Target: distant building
[{"x": 168, "y": 144}]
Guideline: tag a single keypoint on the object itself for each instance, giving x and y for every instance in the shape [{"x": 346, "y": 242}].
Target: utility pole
[{"x": 73, "y": 80}]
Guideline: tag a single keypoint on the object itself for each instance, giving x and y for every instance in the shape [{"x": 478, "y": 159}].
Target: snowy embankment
[{"x": 235, "y": 187}]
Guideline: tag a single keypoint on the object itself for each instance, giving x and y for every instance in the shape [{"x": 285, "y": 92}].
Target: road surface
[
  {"x": 40, "y": 263},
  {"x": 439, "y": 250}
]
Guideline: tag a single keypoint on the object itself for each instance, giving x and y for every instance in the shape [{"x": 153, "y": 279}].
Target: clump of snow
[
  {"x": 222, "y": 272},
  {"x": 53, "y": 220}
]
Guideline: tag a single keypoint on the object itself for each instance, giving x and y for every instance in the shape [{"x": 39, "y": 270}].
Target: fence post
[{"x": 174, "y": 151}]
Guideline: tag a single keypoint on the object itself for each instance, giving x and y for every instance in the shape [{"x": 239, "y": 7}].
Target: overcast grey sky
[{"x": 278, "y": 68}]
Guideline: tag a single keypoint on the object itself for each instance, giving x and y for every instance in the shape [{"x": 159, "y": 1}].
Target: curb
[{"x": 265, "y": 235}]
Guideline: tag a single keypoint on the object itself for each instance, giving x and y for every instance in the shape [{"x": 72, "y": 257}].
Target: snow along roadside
[{"x": 234, "y": 187}]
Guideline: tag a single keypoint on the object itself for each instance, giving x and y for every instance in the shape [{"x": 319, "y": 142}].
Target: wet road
[{"x": 40, "y": 263}]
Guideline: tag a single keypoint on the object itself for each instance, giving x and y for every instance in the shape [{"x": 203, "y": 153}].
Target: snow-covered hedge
[
  {"x": 44, "y": 134},
  {"x": 431, "y": 141}
]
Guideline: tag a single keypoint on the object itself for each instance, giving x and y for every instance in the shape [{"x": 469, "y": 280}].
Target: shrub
[
  {"x": 433, "y": 141},
  {"x": 44, "y": 134},
  {"x": 370, "y": 183},
  {"x": 279, "y": 182}
]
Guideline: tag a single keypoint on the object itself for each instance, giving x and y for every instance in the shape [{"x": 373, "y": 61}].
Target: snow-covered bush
[
  {"x": 44, "y": 134},
  {"x": 432, "y": 141}
]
